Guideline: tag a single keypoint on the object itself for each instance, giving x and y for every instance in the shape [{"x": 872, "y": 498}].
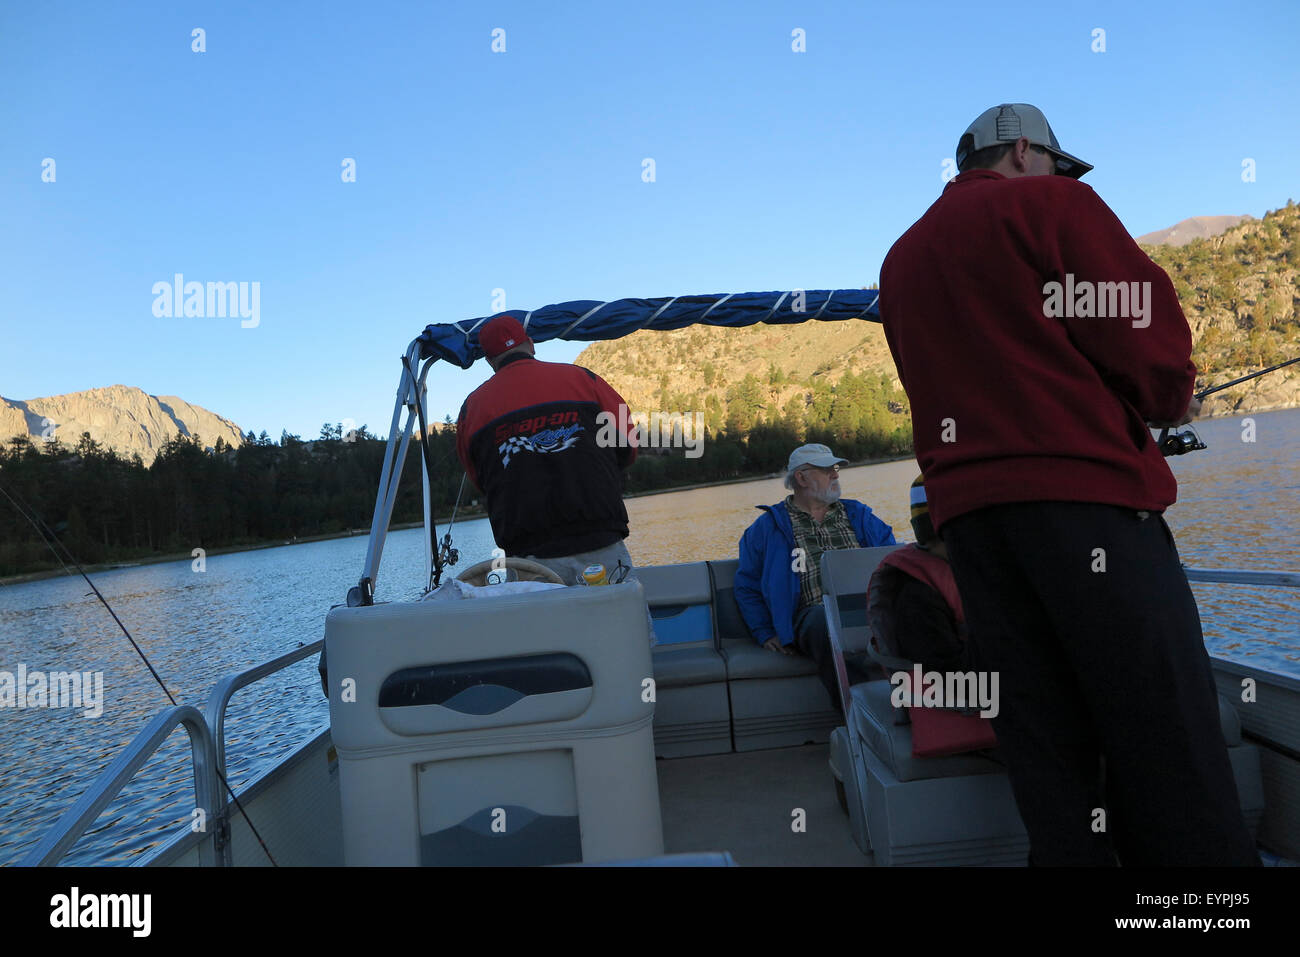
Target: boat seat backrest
[
  {"x": 845, "y": 576},
  {"x": 731, "y": 626},
  {"x": 680, "y": 601}
]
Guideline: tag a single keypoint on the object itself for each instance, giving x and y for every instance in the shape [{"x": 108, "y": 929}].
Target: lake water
[{"x": 1237, "y": 508}]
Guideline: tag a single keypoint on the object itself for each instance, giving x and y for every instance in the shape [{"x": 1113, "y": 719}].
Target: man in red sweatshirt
[{"x": 1036, "y": 341}]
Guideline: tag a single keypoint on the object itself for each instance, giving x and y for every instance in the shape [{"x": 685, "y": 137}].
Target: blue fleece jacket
[{"x": 767, "y": 586}]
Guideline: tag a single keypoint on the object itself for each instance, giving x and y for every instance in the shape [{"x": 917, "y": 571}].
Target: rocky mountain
[
  {"x": 1198, "y": 227},
  {"x": 124, "y": 418},
  {"x": 1240, "y": 291}
]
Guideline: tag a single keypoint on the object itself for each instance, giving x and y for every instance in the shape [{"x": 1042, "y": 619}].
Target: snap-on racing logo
[
  {"x": 530, "y": 426},
  {"x": 545, "y": 433}
]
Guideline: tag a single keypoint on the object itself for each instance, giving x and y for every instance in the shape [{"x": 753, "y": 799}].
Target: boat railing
[
  {"x": 206, "y": 730},
  {"x": 215, "y": 712},
  {"x": 203, "y": 755},
  {"x": 215, "y": 709},
  {"x": 1242, "y": 576}
]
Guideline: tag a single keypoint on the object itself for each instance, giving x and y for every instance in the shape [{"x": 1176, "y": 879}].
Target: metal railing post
[{"x": 74, "y": 821}]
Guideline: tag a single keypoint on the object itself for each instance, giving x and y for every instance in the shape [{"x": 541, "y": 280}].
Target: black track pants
[{"x": 1097, "y": 664}]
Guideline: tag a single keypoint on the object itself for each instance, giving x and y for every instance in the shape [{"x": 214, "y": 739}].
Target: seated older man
[{"x": 778, "y": 583}]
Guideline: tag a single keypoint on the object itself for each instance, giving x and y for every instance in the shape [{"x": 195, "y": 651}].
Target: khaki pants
[{"x": 571, "y": 567}]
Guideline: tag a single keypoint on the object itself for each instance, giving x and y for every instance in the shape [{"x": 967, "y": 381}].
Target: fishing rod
[
  {"x": 450, "y": 555},
  {"x": 1180, "y": 443},
  {"x": 47, "y": 535},
  {"x": 1254, "y": 375}
]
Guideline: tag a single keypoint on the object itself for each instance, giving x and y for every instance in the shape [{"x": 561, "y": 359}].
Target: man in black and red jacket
[
  {"x": 546, "y": 443},
  {"x": 1036, "y": 340}
]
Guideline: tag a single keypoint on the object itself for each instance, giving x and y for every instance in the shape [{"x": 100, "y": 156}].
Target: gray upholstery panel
[
  {"x": 875, "y": 721},
  {"x": 691, "y": 720},
  {"x": 687, "y": 666},
  {"x": 845, "y": 576},
  {"x": 964, "y": 820},
  {"x": 731, "y": 626},
  {"x": 754, "y": 661},
  {"x": 1229, "y": 721},
  {"x": 676, "y": 584},
  {"x": 1248, "y": 774}
]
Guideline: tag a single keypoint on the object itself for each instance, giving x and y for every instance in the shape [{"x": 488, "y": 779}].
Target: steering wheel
[{"x": 523, "y": 570}]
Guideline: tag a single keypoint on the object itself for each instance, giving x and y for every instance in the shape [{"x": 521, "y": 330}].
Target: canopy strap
[
  {"x": 580, "y": 320},
  {"x": 715, "y": 306},
  {"x": 658, "y": 312}
]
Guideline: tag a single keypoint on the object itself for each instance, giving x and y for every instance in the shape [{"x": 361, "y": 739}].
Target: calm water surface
[{"x": 1237, "y": 507}]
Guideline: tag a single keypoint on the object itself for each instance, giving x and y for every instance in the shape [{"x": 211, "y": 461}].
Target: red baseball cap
[{"x": 500, "y": 335}]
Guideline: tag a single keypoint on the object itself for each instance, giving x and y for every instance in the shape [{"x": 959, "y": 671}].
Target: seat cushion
[
  {"x": 875, "y": 720},
  {"x": 732, "y": 628},
  {"x": 675, "y": 667},
  {"x": 752, "y": 661}
]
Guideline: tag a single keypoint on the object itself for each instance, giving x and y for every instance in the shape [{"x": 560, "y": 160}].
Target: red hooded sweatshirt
[{"x": 1030, "y": 369}]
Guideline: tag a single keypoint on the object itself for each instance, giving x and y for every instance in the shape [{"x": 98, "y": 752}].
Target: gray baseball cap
[
  {"x": 819, "y": 455},
  {"x": 1006, "y": 123}
]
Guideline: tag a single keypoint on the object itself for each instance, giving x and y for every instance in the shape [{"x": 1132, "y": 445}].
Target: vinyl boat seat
[
  {"x": 955, "y": 809},
  {"x": 1246, "y": 768},
  {"x": 888, "y": 734},
  {"x": 776, "y": 700},
  {"x": 692, "y": 713}
]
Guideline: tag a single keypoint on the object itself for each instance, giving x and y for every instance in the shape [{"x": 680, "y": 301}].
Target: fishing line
[
  {"x": 47, "y": 534},
  {"x": 451, "y": 555}
]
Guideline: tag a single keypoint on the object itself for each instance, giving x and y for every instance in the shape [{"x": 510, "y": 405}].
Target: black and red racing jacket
[{"x": 534, "y": 440}]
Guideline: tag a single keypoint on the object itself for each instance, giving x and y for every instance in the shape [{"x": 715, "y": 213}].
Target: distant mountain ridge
[
  {"x": 1240, "y": 290},
  {"x": 1197, "y": 227},
  {"x": 124, "y": 418}
]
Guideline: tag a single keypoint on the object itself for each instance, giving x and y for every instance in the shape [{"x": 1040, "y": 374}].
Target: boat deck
[{"x": 744, "y": 803}]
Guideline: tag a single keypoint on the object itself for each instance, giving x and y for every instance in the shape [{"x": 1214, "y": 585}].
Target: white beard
[{"x": 828, "y": 497}]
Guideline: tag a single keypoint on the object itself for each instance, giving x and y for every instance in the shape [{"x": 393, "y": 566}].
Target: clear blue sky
[{"x": 522, "y": 170}]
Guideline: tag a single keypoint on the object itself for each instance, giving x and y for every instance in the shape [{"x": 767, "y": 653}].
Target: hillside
[
  {"x": 1240, "y": 293},
  {"x": 124, "y": 418},
  {"x": 1238, "y": 290},
  {"x": 741, "y": 377}
]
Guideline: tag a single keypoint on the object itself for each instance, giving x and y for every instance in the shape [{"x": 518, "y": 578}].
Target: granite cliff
[{"x": 124, "y": 418}]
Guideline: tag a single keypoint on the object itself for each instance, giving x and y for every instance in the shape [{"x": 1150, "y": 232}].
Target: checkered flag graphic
[{"x": 516, "y": 443}]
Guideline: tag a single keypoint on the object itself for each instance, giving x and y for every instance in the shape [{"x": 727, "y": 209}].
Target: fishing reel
[
  {"x": 1179, "y": 442},
  {"x": 450, "y": 555}
]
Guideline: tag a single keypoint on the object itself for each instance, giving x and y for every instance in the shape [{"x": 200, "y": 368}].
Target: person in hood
[{"x": 913, "y": 606}]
